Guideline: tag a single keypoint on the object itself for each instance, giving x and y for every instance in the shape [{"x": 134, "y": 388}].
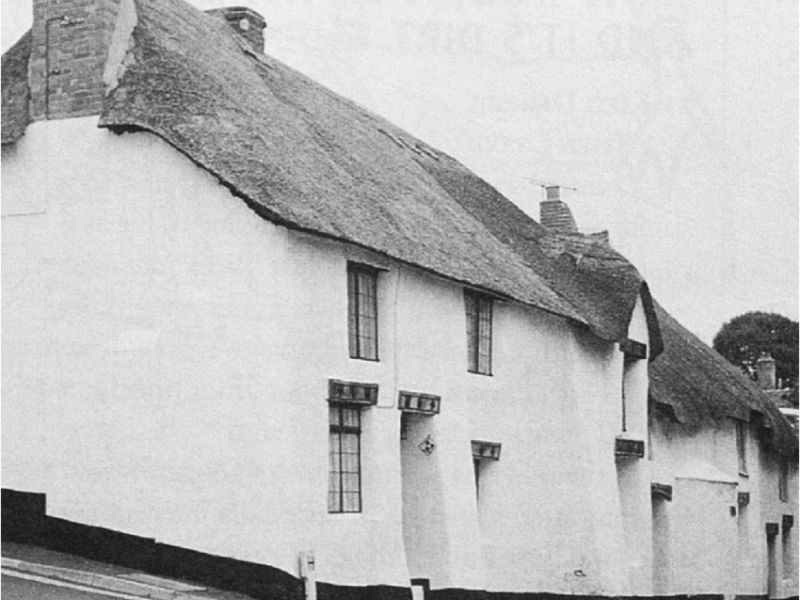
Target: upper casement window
[
  {"x": 479, "y": 332},
  {"x": 362, "y": 311}
]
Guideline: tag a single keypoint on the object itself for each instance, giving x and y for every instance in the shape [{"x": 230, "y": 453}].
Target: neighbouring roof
[
  {"x": 701, "y": 386},
  {"x": 785, "y": 398},
  {"x": 306, "y": 158}
]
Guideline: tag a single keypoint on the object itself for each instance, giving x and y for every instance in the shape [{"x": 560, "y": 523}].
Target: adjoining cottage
[
  {"x": 718, "y": 442},
  {"x": 258, "y": 327}
]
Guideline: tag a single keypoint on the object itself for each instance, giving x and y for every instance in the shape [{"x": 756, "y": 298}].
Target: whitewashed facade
[
  {"x": 193, "y": 341},
  {"x": 725, "y": 493},
  {"x": 166, "y": 372}
]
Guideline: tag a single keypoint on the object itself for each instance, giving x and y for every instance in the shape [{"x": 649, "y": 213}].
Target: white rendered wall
[
  {"x": 549, "y": 516},
  {"x": 703, "y": 535},
  {"x": 166, "y": 354},
  {"x": 702, "y": 465},
  {"x": 772, "y": 511}
]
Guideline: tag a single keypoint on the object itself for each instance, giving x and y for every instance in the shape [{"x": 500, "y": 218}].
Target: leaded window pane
[
  {"x": 479, "y": 332},
  {"x": 472, "y": 331},
  {"x": 351, "y": 417},
  {"x": 344, "y": 491},
  {"x": 352, "y": 312},
  {"x": 485, "y": 336},
  {"x": 362, "y": 312},
  {"x": 351, "y": 502}
]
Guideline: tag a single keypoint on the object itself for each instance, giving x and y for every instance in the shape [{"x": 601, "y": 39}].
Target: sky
[{"x": 676, "y": 122}]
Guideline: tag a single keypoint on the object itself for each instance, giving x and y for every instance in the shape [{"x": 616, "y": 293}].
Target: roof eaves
[
  {"x": 262, "y": 211},
  {"x": 702, "y": 387}
]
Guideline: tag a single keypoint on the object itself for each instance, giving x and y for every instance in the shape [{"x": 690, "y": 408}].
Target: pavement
[
  {"x": 17, "y": 588},
  {"x": 30, "y": 572}
]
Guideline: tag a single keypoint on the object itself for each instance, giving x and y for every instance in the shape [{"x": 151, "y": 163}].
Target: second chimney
[
  {"x": 246, "y": 22},
  {"x": 765, "y": 367},
  {"x": 555, "y": 214}
]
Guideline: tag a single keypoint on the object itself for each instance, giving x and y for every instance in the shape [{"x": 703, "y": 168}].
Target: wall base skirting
[
  {"x": 761, "y": 597},
  {"x": 25, "y": 521},
  {"x": 329, "y": 591},
  {"x": 461, "y": 594}
]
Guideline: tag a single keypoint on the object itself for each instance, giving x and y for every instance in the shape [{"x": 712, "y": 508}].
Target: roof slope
[
  {"x": 15, "y": 90},
  {"x": 304, "y": 157},
  {"x": 597, "y": 280},
  {"x": 701, "y": 386},
  {"x": 307, "y": 158}
]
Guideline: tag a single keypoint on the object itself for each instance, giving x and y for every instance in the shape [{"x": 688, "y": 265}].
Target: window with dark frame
[
  {"x": 479, "y": 332},
  {"x": 344, "y": 489},
  {"x": 627, "y": 364},
  {"x": 783, "y": 481},
  {"x": 789, "y": 557},
  {"x": 362, "y": 311},
  {"x": 741, "y": 446},
  {"x": 476, "y": 466}
]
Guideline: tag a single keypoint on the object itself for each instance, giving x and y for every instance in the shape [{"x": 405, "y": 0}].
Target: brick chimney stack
[
  {"x": 72, "y": 42},
  {"x": 246, "y": 22},
  {"x": 555, "y": 214},
  {"x": 765, "y": 367}
]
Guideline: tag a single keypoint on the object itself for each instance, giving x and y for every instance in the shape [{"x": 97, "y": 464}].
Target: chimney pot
[
  {"x": 765, "y": 367},
  {"x": 246, "y": 22},
  {"x": 555, "y": 214}
]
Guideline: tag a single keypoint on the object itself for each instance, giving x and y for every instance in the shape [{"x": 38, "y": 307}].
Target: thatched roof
[
  {"x": 304, "y": 157},
  {"x": 15, "y": 90},
  {"x": 700, "y": 386}
]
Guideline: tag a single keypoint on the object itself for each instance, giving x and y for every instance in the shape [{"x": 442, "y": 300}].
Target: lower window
[
  {"x": 783, "y": 481},
  {"x": 344, "y": 488}
]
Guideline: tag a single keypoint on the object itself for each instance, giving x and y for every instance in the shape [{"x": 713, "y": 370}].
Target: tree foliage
[{"x": 746, "y": 337}]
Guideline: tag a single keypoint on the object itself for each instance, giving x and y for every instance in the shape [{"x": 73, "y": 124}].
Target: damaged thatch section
[
  {"x": 699, "y": 386},
  {"x": 15, "y": 90}
]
